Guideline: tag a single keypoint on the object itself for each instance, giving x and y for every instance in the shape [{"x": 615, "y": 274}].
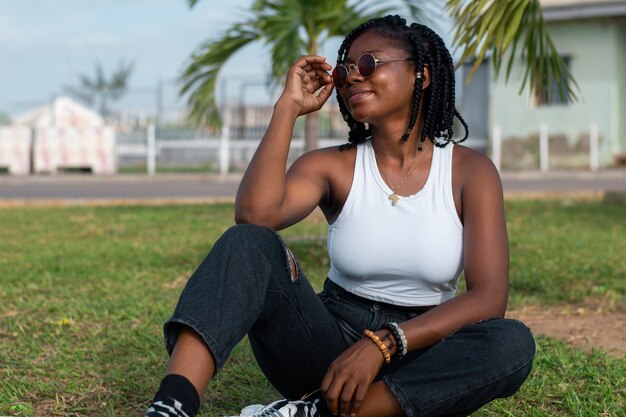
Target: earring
[{"x": 418, "y": 75}]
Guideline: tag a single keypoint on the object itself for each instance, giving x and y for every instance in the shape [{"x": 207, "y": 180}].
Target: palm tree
[
  {"x": 295, "y": 27},
  {"x": 291, "y": 28},
  {"x": 100, "y": 89},
  {"x": 5, "y": 119}
]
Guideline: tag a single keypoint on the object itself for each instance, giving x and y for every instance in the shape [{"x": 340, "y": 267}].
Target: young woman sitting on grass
[{"x": 408, "y": 209}]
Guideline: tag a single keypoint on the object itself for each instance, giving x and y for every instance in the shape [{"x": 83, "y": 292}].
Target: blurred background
[{"x": 94, "y": 87}]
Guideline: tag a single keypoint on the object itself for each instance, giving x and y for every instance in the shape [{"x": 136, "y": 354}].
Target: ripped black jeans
[{"x": 246, "y": 285}]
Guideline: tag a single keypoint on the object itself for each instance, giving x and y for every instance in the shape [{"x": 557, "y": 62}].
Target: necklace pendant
[{"x": 394, "y": 199}]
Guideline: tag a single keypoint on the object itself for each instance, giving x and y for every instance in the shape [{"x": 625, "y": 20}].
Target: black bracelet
[{"x": 400, "y": 338}]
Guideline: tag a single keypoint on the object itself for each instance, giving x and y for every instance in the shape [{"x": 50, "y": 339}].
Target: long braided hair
[{"x": 425, "y": 47}]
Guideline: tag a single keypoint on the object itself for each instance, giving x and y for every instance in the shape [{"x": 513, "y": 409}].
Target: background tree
[
  {"x": 100, "y": 90},
  {"x": 290, "y": 28},
  {"x": 5, "y": 119},
  {"x": 295, "y": 27}
]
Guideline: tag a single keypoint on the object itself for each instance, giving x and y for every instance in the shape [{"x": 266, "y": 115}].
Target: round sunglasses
[{"x": 365, "y": 65}]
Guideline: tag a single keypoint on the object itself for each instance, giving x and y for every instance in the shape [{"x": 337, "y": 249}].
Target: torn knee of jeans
[{"x": 292, "y": 266}]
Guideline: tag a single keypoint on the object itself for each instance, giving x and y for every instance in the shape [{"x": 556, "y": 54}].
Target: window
[{"x": 550, "y": 95}]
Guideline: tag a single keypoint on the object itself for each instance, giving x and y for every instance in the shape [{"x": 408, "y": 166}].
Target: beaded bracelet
[
  {"x": 381, "y": 346},
  {"x": 398, "y": 334}
]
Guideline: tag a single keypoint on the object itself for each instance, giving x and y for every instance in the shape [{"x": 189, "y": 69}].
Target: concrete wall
[{"x": 599, "y": 70}]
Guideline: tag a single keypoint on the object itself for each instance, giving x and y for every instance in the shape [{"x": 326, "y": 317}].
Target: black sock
[{"x": 175, "y": 394}]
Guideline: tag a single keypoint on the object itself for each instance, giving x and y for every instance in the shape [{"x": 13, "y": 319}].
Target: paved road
[
  {"x": 121, "y": 189},
  {"x": 564, "y": 182},
  {"x": 78, "y": 189}
]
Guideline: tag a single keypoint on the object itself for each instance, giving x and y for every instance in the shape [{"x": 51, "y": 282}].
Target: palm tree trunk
[{"x": 311, "y": 131}]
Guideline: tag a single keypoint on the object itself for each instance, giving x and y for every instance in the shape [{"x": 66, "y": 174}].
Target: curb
[
  {"x": 112, "y": 202},
  {"x": 617, "y": 197}
]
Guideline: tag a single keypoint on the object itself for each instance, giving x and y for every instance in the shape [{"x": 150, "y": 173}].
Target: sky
[{"x": 46, "y": 44}]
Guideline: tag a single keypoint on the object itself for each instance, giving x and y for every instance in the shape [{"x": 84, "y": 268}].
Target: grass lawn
[{"x": 84, "y": 292}]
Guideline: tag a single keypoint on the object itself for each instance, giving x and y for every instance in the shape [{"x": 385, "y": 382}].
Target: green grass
[
  {"x": 567, "y": 252},
  {"x": 84, "y": 292}
]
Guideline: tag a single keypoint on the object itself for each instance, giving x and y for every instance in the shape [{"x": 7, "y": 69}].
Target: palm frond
[
  {"x": 86, "y": 96},
  {"x": 86, "y": 83},
  {"x": 119, "y": 80},
  {"x": 200, "y": 76},
  {"x": 289, "y": 27},
  {"x": 280, "y": 25},
  {"x": 420, "y": 10},
  {"x": 99, "y": 87},
  {"x": 500, "y": 27},
  {"x": 341, "y": 21},
  {"x": 100, "y": 81}
]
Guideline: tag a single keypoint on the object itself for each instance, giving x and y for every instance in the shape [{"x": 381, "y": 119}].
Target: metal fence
[
  {"x": 175, "y": 144},
  {"x": 171, "y": 147},
  {"x": 153, "y": 134}
]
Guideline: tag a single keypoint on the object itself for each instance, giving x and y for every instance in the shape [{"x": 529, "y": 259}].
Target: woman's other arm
[
  {"x": 486, "y": 263},
  {"x": 485, "y": 254}
]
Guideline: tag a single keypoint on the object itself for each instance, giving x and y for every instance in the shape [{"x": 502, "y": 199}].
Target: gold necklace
[{"x": 394, "y": 196}]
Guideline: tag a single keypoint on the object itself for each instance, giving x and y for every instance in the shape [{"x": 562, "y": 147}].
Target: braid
[
  {"x": 438, "y": 120},
  {"x": 358, "y": 131},
  {"x": 426, "y": 48},
  {"x": 421, "y": 58}
]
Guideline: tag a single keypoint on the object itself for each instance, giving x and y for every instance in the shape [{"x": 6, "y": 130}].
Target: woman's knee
[
  {"x": 520, "y": 338},
  {"x": 244, "y": 236},
  {"x": 249, "y": 231},
  {"x": 507, "y": 349},
  {"x": 520, "y": 350},
  {"x": 512, "y": 343}
]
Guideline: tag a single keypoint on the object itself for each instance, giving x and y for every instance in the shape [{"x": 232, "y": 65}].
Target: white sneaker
[
  {"x": 251, "y": 410},
  {"x": 282, "y": 408}
]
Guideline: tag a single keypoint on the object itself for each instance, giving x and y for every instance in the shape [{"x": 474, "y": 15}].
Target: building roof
[
  {"x": 62, "y": 112},
  {"x": 554, "y": 10}
]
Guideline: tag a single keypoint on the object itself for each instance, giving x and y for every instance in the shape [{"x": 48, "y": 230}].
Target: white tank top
[{"x": 410, "y": 254}]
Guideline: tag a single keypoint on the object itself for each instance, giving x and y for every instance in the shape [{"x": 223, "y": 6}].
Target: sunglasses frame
[{"x": 352, "y": 66}]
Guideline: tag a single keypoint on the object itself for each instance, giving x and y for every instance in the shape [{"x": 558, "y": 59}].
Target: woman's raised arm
[{"x": 268, "y": 196}]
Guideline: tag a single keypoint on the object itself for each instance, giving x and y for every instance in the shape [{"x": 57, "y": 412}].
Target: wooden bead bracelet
[{"x": 381, "y": 346}]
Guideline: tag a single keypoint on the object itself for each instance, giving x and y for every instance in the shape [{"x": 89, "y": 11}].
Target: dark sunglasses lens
[
  {"x": 339, "y": 76},
  {"x": 367, "y": 65}
]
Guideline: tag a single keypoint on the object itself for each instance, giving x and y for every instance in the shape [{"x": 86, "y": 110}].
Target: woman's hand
[
  {"x": 350, "y": 376},
  {"x": 306, "y": 76}
]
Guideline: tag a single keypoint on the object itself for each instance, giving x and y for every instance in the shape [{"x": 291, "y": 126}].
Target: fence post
[
  {"x": 224, "y": 147},
  {"x": 496, "y": 147},
  {"x": 151, "y": 149},
  {"x": 594, "y": 147},
  {"x": 544, "y": 152}
]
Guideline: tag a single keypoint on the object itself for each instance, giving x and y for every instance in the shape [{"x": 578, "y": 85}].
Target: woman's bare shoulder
[
  {"x": 335, "y": 168},
  {"x": 327, "y": 159},
  {"x": 476, "y": 175},
  {"x": 468, "y": 155},
  {"x": 334, "y": 152},
  {"x": 472, "y": 163}
]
